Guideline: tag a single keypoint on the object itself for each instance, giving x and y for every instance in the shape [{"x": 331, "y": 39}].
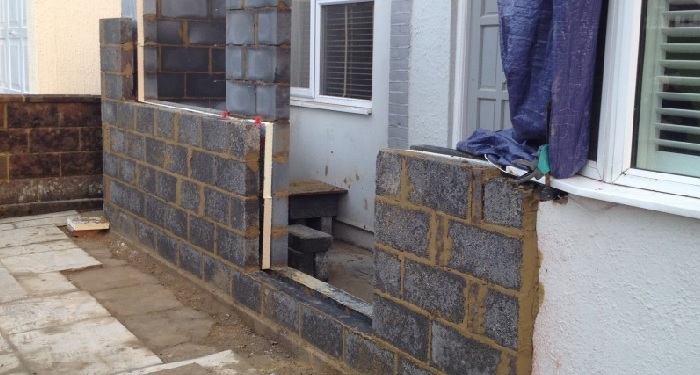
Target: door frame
[
  {"x": 24, "y": 47},
  {"x": 461, "y": 87},
  {"x": 464, "y": 53}
]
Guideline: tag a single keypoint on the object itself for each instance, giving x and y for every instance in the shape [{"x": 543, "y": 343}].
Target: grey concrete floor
[{"x": 351, "y": 269}]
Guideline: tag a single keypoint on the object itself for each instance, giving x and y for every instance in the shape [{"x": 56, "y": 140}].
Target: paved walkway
[{"x": 52, "y": 325}]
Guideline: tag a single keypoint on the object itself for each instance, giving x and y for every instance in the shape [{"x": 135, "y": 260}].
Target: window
[
  {"x": 648, "y": 132},
  {"x": 332, "y": 51},
  {"x": 669, "y": 103}
]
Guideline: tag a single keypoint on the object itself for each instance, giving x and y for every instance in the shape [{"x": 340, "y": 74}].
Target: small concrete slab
[
  {"x": 95, "y": 346},
  {"x": 165, "y": 329},
  {"x": 57, "y": 217},
  {"x": 110, "y": 278},
  {"x": 46, "y": 247},
  {"x": 218, "y": 360},
  {"x": 37, "y": 313},
  {"x": 28, "y": 236},
  {"x": 138, "y": 299},
  {"x": 62, "y": 260},
  {"x": 11, "y": 289},
  {"x": 191, "y": 369},
  {"x": 10, "y": 364},
  {"x": 46, "y": 284},
  {"x": 184, "y": 352},
  {"x": 4, "y": 346},
  {"x": 104, "y": 255}
]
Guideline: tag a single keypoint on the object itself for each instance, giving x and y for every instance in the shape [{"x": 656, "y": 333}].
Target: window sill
[
  {"x": 630, "y": 196},
  {"x": 310, "y": 103},
  {"x": 635, "y": 197}
]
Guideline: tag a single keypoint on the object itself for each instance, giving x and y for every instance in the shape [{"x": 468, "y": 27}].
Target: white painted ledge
[
  {"x": 310, "y": 103},
  {"x": 635, "y": 197}
]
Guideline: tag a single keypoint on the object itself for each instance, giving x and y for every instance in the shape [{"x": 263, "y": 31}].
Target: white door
[
  {"x": 486, "y": 94},
  {"x": 13, "y": 47}
]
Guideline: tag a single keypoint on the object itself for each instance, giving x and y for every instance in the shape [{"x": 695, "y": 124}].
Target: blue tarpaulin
[{"x": 548, "y": 48}]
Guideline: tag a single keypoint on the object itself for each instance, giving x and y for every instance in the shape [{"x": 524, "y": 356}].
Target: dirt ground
[{"x": 227, "y": 331}]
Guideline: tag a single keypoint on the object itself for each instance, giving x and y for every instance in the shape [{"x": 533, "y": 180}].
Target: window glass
[
  {"x": 346, "y": 50},
  {"x": 668, "y": 129},
  {"x": 301, "y": 43}
]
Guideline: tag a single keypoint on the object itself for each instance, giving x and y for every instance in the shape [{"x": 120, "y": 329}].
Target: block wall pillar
[
  {"x": 257, "y": 84},
  {"x": 258, "y": 58},
  {"x": 456, "y": 266},
  {"x": 117, "y": 58}
]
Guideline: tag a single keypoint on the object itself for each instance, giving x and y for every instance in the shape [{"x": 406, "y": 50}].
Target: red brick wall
[{"x": 50, "y": 151}]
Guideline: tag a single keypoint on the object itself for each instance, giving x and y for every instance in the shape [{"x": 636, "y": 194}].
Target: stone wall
[
  {"x": 50, "y": 153},
  {"x": 184, "y": 53},
  {"x": 456, "y": 265}
]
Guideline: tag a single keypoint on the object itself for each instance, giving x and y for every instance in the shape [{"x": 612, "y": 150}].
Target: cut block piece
[{"x": 308, "y": 240}]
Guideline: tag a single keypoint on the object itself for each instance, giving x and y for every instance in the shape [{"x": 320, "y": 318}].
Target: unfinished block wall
[
  {"x": 183, "y": 184},
  {"x": 456, "y": 266},
  {"x": 184, "y": 51},
  {"x": 456, "y": 261},
  {"x": 258, "y": 39},
  {"x": 50, "y": 153}
]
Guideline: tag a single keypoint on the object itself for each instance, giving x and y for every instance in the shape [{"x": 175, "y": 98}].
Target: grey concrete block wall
[
  {"x": 440, "y": 306},
  {"x": 185, "y": 51},
  {"x": 456, "y": 266},
  {"x": 163, "y": 171},
  {"x": 258, "y": 59},
  {"x": 117, "y": 59},
  {"x": 479, "y": 320},
  {"x": 172, "y": 188}
]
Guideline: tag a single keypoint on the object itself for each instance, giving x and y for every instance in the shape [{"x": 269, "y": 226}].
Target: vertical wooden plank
[
  {"x": 267, "y": 196},
  {"x": 140, "y": 41}
]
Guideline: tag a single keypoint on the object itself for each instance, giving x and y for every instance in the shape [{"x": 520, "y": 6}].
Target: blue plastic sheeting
[
  {"x": 499, "y": 147},
  {"x": 526, "y": 35},
  {"x": 548, "y": 48},
  {"x": 575, "y": 39}
]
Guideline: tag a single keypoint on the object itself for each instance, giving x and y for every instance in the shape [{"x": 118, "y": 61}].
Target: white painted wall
[
  {"x": 64, "y": 46},
  {"x": 621, "y": 291},
  {"x": 430, "y": 73},
  {"x": 341, "y": 148}
]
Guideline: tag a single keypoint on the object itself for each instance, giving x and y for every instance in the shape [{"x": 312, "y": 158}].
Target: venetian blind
[
  {"x": 669, "y": 121},
  {"x": 346, "y": 55}
]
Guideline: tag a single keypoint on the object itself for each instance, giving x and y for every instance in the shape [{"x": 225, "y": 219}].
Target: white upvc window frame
[
  {"x": 611, "y": 177},
  {"x": 311, "y": 97},
  {"x": 616, "y": 130}
]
